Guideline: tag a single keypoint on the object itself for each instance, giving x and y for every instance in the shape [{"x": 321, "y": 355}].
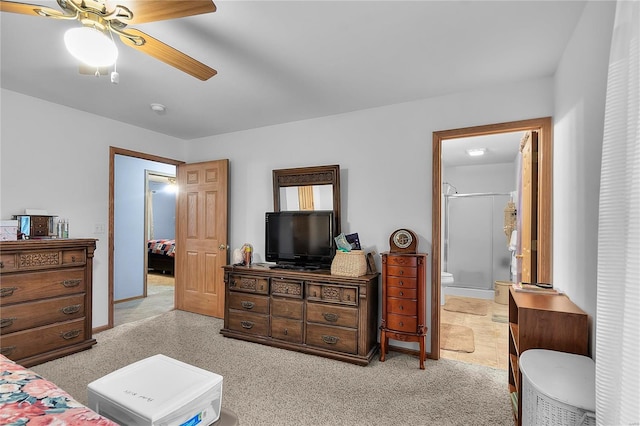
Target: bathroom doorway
[{"x": 494, "y": 314}]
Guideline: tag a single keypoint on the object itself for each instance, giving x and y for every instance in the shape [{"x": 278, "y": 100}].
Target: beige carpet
[
  {"x": 456, "y": 338},
  {"x": 467, "y": 305},
  {"x": 270, "y": 386}
]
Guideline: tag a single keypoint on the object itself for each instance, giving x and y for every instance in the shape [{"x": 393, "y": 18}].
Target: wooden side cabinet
[
  {"x": 45, "y": 298},
  {"x": 542, "y": 321},
  {"x": 404, "y": 282}
]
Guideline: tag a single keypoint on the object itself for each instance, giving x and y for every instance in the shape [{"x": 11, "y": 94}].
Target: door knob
[{"x": 223, "y": 247}]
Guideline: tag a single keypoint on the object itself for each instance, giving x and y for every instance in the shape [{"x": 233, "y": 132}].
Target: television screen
[{"x": 303, "y": 238}]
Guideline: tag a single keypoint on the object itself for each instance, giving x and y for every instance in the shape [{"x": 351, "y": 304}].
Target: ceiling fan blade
[
  {"x": 29, "y": 9},
  {"x": 168, "y": 55},
  {"x": 150, "y": 11}
]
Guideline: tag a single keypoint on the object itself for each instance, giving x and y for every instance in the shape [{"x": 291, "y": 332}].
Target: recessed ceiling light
[{"x": 476, "y": 152}]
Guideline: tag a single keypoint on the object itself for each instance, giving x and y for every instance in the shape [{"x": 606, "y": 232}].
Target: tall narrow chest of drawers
[
  {"x": 404, "y": 278},
  {"x": 45, "y": 298}
]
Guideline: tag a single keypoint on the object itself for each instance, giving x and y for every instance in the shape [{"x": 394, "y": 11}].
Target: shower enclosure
[{"x": 475, "y": 246}]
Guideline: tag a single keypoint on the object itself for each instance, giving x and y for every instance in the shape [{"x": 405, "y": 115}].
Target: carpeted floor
[{"x": 270, "y": 386}]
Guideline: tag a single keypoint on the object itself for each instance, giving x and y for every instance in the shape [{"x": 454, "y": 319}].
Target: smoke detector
[{"x": 158, "y": 108}]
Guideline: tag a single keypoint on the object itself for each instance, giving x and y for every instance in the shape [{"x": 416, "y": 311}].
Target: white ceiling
[
  {"x": 283, "y": 61},
  {"x": 500, "y": 148}
]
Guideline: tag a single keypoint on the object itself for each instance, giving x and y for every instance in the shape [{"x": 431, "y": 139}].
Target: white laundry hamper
[{"x": 558, "y": 388}]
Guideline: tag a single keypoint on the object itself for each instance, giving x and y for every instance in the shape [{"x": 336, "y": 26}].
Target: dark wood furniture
[
  {"x": 404, "y": 301},
  {"x": 38, "y": 226},
  {"x": 161, "y": 263},
  {"x": 542, "y": 321},
  {"x": 311, "y": 312},
  {"x": 45, "y": 298}
]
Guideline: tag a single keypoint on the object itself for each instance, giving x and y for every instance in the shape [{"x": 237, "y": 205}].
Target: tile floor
[{"x": 491, "y": 337}]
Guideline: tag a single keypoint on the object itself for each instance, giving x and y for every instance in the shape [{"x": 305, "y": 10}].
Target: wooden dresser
[
  {"x": 312, "y": 312},
  {"x": 542, "y": 321},
  {"x": 404, "y": 282},
  {"x": 45, "y": 298}
]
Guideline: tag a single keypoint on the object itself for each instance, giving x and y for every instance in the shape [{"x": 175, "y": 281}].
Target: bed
[
  {"x": 161, "y": 255},
  {"x": 28, "y": 399}
]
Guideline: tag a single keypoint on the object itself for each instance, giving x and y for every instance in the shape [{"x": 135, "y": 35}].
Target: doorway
[
  {"x": 542, "y": 126},
  {"x": 129, "y": 265}
]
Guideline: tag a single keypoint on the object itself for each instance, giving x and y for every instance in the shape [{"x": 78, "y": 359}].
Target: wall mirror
[{"x": 308, "y": 188}]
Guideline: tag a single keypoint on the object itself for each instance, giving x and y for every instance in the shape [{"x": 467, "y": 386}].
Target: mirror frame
[{"x": 304, "y": 176}]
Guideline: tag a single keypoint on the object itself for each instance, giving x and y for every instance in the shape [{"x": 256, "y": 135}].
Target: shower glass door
[{"x": 477, "y": 253}]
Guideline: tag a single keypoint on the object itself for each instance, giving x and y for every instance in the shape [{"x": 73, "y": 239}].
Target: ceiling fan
[{"x": 111, "y": 17}]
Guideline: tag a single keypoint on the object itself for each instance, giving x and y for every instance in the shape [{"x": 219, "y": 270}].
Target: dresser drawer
[
  {"x": 286, "y": 288},
  {"x": 345, "y": 295},
  {"x": 394, "y": 260},
  {"x": 402, "y": 306},
  {"x": 411, "y": 283},
  {"x": 249, "y": 284},
  {"x": 403, "y": 292},
  {"x": 38, "y": 285},
  {"x": 332, "y": 315},
  {"x": 23, "y": 344},
  {"x": 286, "y": 308},
  {"x": 405, "y": 323},
  {"x": 250, "y": 323},
  {"x": 286, "y": 329},
  {"x": 402, "y": 271},
  {"x": 333, "y": 338},
  {"x": 74, "y": 257},
  {"x": 7, "y": 262},
  {"x": 35, "y": 314},
  {"x": 249, "y": 302}
]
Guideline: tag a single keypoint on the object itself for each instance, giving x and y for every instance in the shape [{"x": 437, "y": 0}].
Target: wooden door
[
  {"x": 529, "y": 211},
  {"x": 201, "y": 237}
]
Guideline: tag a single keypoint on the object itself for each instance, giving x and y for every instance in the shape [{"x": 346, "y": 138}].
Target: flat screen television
[{"x": 300, "y": 238}]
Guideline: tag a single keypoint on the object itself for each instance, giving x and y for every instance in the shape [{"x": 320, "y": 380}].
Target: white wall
[
  {"x": 56, "y": 158},
  {"x": 580, "y": 88}
]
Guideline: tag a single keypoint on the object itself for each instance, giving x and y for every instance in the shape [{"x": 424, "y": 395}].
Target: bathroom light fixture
[
  {"x": 476, "y": 152},
  {"x": 91, "y": 46}
]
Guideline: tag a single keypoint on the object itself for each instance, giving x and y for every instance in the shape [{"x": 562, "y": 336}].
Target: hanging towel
[{"x": 513, "y": 242}]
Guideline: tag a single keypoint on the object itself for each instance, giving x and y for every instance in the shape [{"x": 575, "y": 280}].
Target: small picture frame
[{"x": 371, "y": 264}]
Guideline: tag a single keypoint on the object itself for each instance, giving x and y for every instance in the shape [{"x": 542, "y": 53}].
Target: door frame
[
  {"x": 113, "y": 151},
  {"x": 545, "y": 208}
]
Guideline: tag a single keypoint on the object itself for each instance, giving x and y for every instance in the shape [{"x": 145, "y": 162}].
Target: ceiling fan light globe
[{"x": 91, "y": 46}]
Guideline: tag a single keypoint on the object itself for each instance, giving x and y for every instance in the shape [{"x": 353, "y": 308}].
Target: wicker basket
[{"x": 349, "y": 264}]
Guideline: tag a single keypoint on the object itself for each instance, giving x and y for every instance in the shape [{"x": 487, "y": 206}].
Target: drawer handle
[
  {"x": 401, "y": 283},
  {"x": 7, "y": 350},
  {"x": 330, "y": 340},
  {"x": 71, "y": 283},
  {"x": 6, "y": 322},
  {"x": 402, "y": 293},
  {"x": 246, "y": 324},
  {"x": 247, "y": 305},
  {"x": 401, "y": 307},
  {"x": 331, "y": 317},
  {"x": 1, "y": 265},
  {"x": 71, "y": 309},
  {"x": 401, "y": 324},
  {"x": 401, "y": 272},
  {"x": 7, "y": 291},
  {"x": 71, "y": 334},
  {"x": 286, "y": 331}
]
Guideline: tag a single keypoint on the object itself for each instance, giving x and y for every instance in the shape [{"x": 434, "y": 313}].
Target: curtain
[{"x": 618, "y": 295}]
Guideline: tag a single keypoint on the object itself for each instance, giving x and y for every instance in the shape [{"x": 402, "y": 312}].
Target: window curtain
[{"x": 618, "y": 295}]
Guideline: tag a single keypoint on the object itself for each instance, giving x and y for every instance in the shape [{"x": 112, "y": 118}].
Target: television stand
[
  {"x": 291, "y": 267},
  {"x": 306, "y": 311}
]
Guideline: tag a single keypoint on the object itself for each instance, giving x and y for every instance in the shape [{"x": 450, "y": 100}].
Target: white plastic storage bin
[
  {"x": 558, "y": 388},
  {"x": 158, "y": 391}
]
